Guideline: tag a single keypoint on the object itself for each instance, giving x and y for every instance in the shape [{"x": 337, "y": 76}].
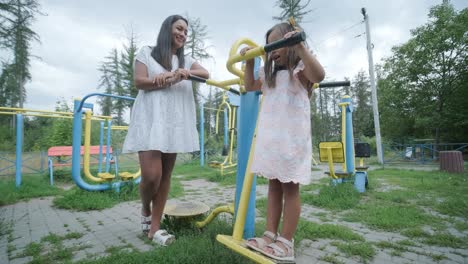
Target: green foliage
[
  {"x": 363, "y": 119},
  {"x": 292, "y": 8},
  {"x": 127, "y": 58},
  {"x": 423, "y": 84},
  {"x": 32, "y": 186},
  {"x": 16, "y": 35}
]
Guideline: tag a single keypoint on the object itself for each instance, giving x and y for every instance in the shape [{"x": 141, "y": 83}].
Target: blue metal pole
[
  {"x": 249, "y": 104},
  {"x": 51, "y": 172},
  {"x": 19, "y": 148},
  {"x": 202, "y": 136},
  {"x": 349, "y": 135},
  {"x": 226, "y": 129}
]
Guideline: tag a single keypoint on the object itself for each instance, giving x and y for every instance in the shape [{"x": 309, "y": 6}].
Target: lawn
[{"x": 422, "y": 206}]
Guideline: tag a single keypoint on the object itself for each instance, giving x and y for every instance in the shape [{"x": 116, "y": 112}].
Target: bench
[
  {"x": 332, "y": 152},
  {"x": 56, "y": 153}
]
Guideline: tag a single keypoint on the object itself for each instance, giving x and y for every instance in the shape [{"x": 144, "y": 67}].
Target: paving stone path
[{"x": 117, "y": 227}]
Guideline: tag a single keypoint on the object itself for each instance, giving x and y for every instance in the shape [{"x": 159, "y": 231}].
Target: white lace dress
[
  {"x": 283, "y": 148},
  {"x": 163, "y": 120}
]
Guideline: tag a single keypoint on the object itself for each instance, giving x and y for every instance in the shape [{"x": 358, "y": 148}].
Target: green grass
[
  {"x": 389, "y": 217},
  {"x": 191, "y": 246},
  {"x": 81, "y": 200},
  {"x": 314, "y": 231},
  {"x": 339, "y": 197},
  {"x": 32, "y": 186},
  {"x": 364, "y": 250},
  {"x": 400, "y": 207},
  {"x": 331, "y": 259},
  {"x": 50, "y": 249},
  {"x": 453, "y": 206},
  {"x": 398, "y": 248},
  {"x": 461, "y": 226},
  {"x": 446, "y": 240},
  {"x": 441, "y": 191}
]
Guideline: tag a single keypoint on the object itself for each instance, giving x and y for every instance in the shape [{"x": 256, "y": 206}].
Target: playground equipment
[
  {"x": 344, "y": 152},
  {"x": 20, "y": 113},
  {"x": 230, "y": 103},
  {"x": 60, "y": 156},
  {"x": 105, "y": 179},
  {"x": 244, "y": 207}
]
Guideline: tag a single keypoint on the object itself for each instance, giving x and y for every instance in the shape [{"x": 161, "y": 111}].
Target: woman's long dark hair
[
  {"x": 293, "y": 58},
  {"x": 162, "y": 52}
]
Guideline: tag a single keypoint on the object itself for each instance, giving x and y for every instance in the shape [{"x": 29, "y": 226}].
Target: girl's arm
[
  {"x": 313, "y": 70},
  {"x": 249, "y": 79}
]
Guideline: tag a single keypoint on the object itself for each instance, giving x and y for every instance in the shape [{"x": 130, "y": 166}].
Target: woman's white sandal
[
  {"x": 163, "y": 238},
  {"x": 145, "y": 224}
]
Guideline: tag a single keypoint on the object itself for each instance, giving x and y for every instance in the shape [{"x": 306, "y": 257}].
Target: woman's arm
[
  {"x": 143, "y": 82},
  {"x": 199, "y": 71}
]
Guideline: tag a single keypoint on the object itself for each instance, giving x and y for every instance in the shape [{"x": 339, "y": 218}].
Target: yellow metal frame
[
  {"x": 102, "y": 176},
  {"x": 44, "y": 113},
  {"x": 214, "y": 213},
  {"x": 232, "y": 113},
  {"x": 235, "y": 242},
  {"x": 235, "y": 57}
]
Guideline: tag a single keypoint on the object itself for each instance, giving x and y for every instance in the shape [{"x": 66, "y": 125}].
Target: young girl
[{"x": 283, "y": 149}]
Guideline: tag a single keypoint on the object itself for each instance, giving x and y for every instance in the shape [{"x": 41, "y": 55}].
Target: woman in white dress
[{"x": 163, "y": 119}]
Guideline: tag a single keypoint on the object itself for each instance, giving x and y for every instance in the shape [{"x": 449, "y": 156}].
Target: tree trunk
[{"x": 451, "y": 161}]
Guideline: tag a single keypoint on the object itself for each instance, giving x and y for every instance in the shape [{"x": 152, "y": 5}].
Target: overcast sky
[{"x": 77, "y": 34}]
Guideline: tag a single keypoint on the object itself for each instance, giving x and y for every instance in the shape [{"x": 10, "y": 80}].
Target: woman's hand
[
  {"x": 163, "y": 79},
  {"x": 182, "y": 74}
]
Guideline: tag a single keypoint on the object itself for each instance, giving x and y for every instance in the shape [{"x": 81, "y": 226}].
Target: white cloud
[{"x": 77, "y": 35}]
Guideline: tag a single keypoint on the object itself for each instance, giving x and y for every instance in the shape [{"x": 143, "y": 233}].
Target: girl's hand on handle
[
  {"x": 244, "y": 50},
  {"x": 290, "y": 34}
]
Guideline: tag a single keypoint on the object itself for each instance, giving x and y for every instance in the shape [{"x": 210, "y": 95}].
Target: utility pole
[{"x": 375, "y": 107}]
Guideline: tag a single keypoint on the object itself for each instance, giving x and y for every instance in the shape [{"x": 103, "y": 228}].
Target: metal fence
[{"x": 420, "y": 153}]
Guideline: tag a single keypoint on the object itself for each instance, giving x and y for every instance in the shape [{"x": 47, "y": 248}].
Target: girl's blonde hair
[{"x": 293, "y": 58}]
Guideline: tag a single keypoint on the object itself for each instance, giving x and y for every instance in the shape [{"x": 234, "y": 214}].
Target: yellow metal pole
[
  {"x": 232, "y": 127},
  {"x": 87, "y": 143},
  {"x": 330, "y": 163},
  {"x": 214, "y": 213},
  {"x": 235, "y": 57}
]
